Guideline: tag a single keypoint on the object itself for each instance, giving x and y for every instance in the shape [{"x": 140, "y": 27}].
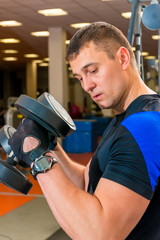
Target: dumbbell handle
[{"x": 11, "y": 159}]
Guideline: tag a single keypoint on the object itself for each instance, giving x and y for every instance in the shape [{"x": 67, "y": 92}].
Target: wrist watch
[{"x": 42, "y": 164}]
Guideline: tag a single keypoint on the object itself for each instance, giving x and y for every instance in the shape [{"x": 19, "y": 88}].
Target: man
[{"x": 114, "y": 196}]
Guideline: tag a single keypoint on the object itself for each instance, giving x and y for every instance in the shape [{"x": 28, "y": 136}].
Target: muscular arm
[
  {"x": 111, "y": 213},
  {"x": 73, "y": 170}
]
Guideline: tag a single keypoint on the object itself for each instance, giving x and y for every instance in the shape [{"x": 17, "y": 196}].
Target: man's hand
[{"x": 29, "y": 142}]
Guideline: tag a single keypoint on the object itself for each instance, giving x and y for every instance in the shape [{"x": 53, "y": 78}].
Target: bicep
[{"x": 119, "y": 205}]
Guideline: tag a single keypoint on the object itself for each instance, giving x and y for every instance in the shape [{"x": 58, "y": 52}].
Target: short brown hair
[{"x": 104, "y": 35}]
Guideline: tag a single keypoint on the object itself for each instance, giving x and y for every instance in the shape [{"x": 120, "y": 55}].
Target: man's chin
[{"x": 102, "y": 107}]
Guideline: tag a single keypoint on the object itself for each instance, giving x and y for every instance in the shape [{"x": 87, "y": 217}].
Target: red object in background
[{"x": 75, "y": 112}]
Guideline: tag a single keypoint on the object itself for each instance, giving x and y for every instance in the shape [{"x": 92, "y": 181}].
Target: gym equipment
[
  {"x": 9, "y": 175},
  {"x": 151, "y": 16},
  {"x": 47, "y": 112},
  {"x": 151, "y": 20},
  {"x": 135, "y": 28},
  {"x": 13, "y": 117}
]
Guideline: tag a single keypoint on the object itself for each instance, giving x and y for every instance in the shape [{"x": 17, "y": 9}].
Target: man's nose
[{"x": 88, "y": 84}]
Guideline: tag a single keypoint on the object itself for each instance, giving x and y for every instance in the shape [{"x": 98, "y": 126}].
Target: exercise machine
[{"x": 151, "y": 20}]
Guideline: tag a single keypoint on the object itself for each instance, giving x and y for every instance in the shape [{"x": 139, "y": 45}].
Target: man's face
[{"x": 100, "y": 76}]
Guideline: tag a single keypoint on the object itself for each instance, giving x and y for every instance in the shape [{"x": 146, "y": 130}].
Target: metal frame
[{"x": 135, "y": 29}]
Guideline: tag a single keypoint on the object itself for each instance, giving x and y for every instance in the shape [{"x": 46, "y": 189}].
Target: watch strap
[{"x": 34, "y": 172}]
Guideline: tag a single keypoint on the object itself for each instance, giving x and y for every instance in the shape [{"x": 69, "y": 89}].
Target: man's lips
[{"x": 96, "y": 96}]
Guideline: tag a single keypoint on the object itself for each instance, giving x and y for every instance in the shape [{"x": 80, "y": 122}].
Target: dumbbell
[{"x": 47, "y": 112}]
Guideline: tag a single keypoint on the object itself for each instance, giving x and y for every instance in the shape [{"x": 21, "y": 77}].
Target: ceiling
[{"x": 25, "y": 11}]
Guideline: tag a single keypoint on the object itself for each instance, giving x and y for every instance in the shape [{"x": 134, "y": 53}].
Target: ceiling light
[
  {"x": 44, "y": 64},
  {"x": 46, "y": 59},
  {"x": 156, "y": 37},
  {"x": 38, "y": 61},
  {"x": 67, "y": 42},
  {"x": 11, "y": 23},
  {"x": 10, "y": 59},
  {"x": 150, "y": 57},
  {"x": 128, "y": 14},
  {"x": 31, "y": 55},
  {"x": 145, "y": 53},
  {"x": 53, "y": 12},
  {"x": 8, "y": 51},
  {"x": 9, "y": 40},
  {"x": 79, "y": 25},
  {"x": 40, "y": 34}
]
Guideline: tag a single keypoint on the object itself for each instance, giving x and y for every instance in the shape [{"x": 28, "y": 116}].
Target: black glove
[
  {"x": 52, "y": 141},
  {"x": 29, "y": 128}
]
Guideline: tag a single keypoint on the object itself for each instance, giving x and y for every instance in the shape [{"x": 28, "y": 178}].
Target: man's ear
[{"x": 124, "y": 57}]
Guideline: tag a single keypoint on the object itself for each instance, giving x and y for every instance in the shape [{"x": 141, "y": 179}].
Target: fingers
[{"x": 29, "y": 144}]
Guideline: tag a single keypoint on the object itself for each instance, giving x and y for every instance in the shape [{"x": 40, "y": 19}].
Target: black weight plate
[
  {"x": 49, "y": 101},
  {"x": 11, "y": 177},
  {"x": 6, "y": 133},
  {"x": 42, "y": 114}
]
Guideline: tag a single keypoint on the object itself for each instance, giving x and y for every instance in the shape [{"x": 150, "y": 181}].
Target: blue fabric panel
[{"x": 145, "y": 128}]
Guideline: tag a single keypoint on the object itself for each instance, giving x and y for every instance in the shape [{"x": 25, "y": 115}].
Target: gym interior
[{"x": 32, "y": 62}]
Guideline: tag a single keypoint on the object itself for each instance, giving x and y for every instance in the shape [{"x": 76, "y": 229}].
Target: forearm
[
  {"x": 73, "y": 170},
  {"x": 69, "y": 205},
  {"x": 99, "y": 216}
]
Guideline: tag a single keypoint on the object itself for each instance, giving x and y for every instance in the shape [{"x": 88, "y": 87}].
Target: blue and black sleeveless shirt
[{"x": 129, "y": 154}]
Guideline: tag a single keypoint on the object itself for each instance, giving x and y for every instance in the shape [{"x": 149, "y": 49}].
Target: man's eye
[{"x": 93, "y": 71}]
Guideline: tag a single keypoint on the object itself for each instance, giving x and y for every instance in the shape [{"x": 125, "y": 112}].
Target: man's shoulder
[
  {"x": 144, "y": 127},
  {"x": 145, "y": 120},
  {"x": 144, "y": 103}
]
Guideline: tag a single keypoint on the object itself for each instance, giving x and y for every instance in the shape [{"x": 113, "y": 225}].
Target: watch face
[{"x": 42, "y": 164}]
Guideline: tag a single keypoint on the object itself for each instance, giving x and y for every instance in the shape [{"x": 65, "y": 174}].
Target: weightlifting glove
[
  {"x": 29, "y": 128},
  {"x": 52, "y": 141}
]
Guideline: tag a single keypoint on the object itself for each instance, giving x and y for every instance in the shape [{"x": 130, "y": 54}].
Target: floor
[{"x": 24, "y": 217}]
